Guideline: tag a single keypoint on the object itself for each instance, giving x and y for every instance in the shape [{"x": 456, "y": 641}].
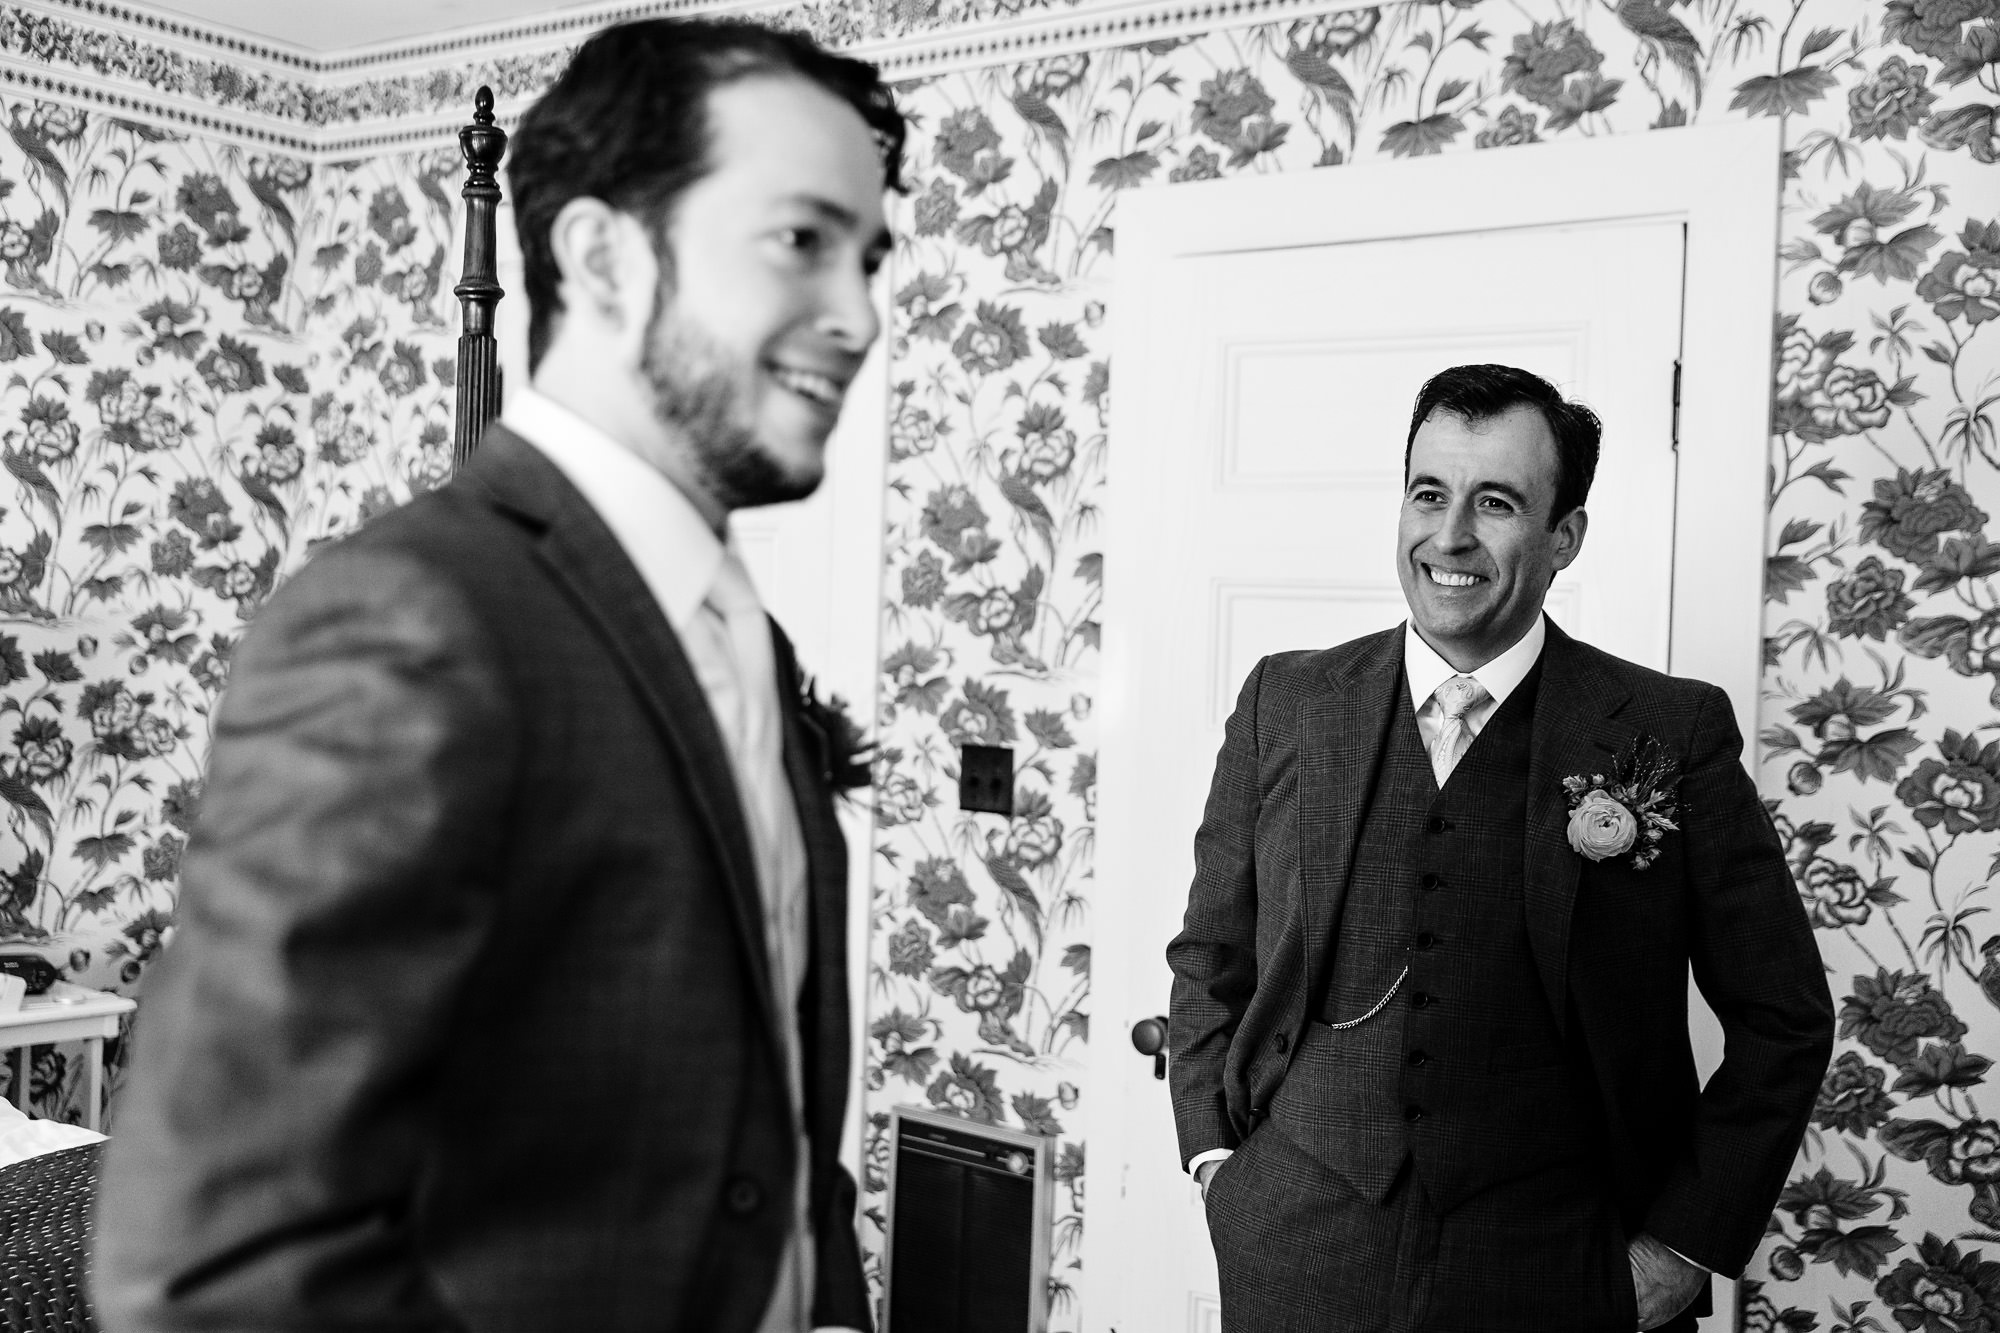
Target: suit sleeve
[
  {"x": 1214, "y": 958},
  {"x": 1758, "y": 967},
  {"x": 335, "y": 894}
]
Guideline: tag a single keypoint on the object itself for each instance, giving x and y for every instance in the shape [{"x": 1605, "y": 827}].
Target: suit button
[
  {"x": 1281, "y": 1041},
  {"x": 1438, "y": 824},
  {"x": 1413, "y": 1113},
  {"x": 1431, "y": 881},
  {"x": 1421, "y": 1000},
  {"x": 744, "y": 1195},
  {"x": 1417, "y": 1059},
  {"x": 1426, "y": 940}
]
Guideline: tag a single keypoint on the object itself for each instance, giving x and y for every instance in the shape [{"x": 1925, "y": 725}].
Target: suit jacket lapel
[
  {"x": 1340, "y": 752},
  {"x": 822, "y": 1022},
  {"x": 584, "y": 556},
  {"x": 1576, "y": 732}
]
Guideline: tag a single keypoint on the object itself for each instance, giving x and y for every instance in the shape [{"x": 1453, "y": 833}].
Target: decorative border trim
[
  {"x": 539, "y": 31},
  {"x": 567, "y": 26},
  {"x": 127, "y": 105},
  {"x": 129, "y": 60},
  {"x": 1008, "y": 41},
  {"x": 180, "y": 29}
]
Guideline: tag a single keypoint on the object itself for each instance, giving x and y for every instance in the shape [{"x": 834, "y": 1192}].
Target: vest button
[
  {"x": 1413, "y": 1113},
  {"x": 1431, "y": 880},
  {"x": 1417, "y": 1059},
  {"x": 744, "y": 1195},
  {"x": 1281, "y": 1041},
  {"x": 1421, "y": 1000},
  {"x": 1438, "y": 824},
  {"x": 1426, "y": 940}
]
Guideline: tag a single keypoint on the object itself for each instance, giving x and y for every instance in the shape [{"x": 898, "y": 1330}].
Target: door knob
[{"x": 1149, "y": 1037}]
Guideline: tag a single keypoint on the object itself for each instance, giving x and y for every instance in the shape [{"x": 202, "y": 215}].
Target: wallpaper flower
[
  {"x": 213, "y": 361},
  {"x": 1883, "y": 622}
]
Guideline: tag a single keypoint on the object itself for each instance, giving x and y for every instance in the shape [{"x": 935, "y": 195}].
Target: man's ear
[
  {"x": 608, "y": 270},
  {"x": 1569, "y": 536}
]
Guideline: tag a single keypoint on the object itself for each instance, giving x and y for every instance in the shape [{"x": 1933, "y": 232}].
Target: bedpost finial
[{"x": 482, "y": 142}]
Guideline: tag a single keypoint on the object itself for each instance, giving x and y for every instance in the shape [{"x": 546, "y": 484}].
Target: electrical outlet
[{"x": 986, "y": 778}]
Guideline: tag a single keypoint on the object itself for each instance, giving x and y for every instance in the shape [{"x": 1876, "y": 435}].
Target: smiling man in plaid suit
[{"x": 1430, "y": 1055}]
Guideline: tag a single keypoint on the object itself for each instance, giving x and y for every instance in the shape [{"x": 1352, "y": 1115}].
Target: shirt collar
[
  {"x": 1500, "y": 677},
  {"x": 677, "y": 554}
]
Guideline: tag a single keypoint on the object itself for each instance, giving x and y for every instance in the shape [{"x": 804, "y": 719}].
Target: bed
[{"x": 45, "y": 1241}]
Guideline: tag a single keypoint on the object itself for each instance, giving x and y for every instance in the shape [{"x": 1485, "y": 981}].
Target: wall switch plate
[{"x": 986, "y": 778}]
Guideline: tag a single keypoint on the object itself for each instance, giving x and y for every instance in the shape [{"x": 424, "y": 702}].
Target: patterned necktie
[{"x": 1456, "y": 697}]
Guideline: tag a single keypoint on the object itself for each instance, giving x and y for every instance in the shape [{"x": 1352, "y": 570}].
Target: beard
[{"x": 702, "y": 393}]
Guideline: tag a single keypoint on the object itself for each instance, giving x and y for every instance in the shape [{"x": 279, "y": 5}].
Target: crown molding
[{"x": 142, "y": 64}]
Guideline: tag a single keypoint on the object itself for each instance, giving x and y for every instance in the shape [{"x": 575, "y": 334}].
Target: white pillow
[{"x": 22, "y": 1136}]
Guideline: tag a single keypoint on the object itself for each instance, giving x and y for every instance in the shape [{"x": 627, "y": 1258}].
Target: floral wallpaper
[
  {"x": 217, "y": 358},
  {"x": 210, "y": 362},
  {"x": 1883, "y": 622}
]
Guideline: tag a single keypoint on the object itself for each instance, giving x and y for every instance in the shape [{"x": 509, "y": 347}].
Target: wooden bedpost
[{"x": 479, "y": 289}]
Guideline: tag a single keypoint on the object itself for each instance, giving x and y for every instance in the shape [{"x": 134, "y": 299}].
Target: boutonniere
[
  {"x": 1630, "y": 810},
  {"x": 844, "y": 753}
]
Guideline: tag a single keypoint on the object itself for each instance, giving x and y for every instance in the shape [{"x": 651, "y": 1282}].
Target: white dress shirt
[
  {"x": 679, "y": 557},
  {"x": 1500, "y": 678},
  {"x": 676, "y": 553}
]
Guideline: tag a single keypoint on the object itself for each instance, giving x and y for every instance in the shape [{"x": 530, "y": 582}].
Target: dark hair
[
  {"x": 627, "y": 123},
  {"x": 1480, "y": 393}
]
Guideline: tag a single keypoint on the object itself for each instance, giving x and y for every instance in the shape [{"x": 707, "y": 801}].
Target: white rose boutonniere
[
  {"x": 1600, "y": 828},
  {"x": 1627, "y": 812}
]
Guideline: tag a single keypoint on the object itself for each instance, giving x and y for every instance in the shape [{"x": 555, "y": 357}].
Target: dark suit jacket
[
  {"x": 468, "y": 1023},
  {"x": 1698, "y": 1167}
]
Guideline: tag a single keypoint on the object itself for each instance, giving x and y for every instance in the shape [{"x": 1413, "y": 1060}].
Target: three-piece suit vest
[{"x": 1463, "y": 1072}]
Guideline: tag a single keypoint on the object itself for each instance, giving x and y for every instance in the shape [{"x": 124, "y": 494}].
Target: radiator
[{"x": 968, "y": 1240}]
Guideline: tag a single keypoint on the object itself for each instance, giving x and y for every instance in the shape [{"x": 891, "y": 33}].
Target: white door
[
  {"x": 1272, "y": 334},
  {"x": 1276, "y": 387}
]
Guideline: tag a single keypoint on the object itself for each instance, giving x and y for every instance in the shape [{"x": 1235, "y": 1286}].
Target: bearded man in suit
[
  {"x": 509, "y": 992},
  {"x": 1430, "y": 1054}
]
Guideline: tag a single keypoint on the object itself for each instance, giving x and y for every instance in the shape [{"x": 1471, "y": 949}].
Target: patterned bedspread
[{"x": 45, "y": 1242}]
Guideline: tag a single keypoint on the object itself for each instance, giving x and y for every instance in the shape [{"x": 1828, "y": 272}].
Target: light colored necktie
[
  {"x": 757, "y": 751},
  {"x": 747, "y": 633},
  {"x": 1458, "y": 696}
]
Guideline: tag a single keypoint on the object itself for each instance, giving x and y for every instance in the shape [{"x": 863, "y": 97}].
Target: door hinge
[{"x": 1677, "y": 407}]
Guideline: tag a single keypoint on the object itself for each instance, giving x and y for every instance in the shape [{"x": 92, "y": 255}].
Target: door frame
[{"x": 1721, "y": 182}]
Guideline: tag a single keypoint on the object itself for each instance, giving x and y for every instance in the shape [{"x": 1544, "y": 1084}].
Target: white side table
[{"x": 66, "y": 1012}]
